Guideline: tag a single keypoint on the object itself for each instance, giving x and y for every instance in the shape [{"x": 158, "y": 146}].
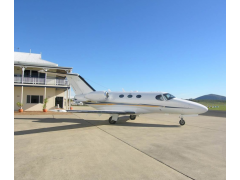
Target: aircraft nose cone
[{"x": 201, "y": 109}]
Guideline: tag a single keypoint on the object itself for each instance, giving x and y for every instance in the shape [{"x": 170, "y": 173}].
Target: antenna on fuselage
[{"x": 123, "y": 90}]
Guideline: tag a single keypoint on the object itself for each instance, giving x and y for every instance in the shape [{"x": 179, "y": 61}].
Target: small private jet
[{"x": 128, "y": 103}]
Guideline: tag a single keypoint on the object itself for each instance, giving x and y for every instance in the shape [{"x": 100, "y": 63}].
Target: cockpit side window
[
  {"x": 159, "y": 97},
  {"x": 168, "y": 96},
  {"x": 121, "y": 96}
]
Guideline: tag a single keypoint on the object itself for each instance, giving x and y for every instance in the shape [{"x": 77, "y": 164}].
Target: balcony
[{"x": 41, "y": 81}]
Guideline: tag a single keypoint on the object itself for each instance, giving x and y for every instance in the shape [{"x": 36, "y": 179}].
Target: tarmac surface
[
  {"x": 80, "y": 146},
  {"x": 215, "y": 113}
]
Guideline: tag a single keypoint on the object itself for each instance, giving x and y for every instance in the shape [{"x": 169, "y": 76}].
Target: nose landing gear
[{"x": 181, "y": 122}]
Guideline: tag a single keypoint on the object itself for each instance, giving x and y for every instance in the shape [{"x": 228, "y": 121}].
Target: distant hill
[{"x": 212, "y": 97}]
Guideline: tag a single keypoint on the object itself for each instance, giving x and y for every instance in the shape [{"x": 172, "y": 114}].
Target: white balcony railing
[
  {"x": 41, "y": 81},
  {"x": 57, "y": 82},
  {"x": 17, "y": 79}
]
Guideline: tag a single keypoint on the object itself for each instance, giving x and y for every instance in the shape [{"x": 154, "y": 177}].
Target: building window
[
  {"x": 32, "y": 73},
  {"x": 138, "y": 96},
  {"x": 121, "y": 96},
  {"x": 129, "y": 96},
  {"x": 28, "y": 98},
  {"x": 27, "y": 73},
  {"x": 42, "y": 75},
  {"x": 34, "y": 99},
  {"x": 41, "y": 99},
  {"x": 159, "y": 97}
]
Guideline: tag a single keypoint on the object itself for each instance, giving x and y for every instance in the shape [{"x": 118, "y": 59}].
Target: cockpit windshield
[{"x": 168, "y": 96}]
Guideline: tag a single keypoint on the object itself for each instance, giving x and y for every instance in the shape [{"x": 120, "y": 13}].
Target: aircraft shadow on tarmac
[{"x": 82, "y": 123}]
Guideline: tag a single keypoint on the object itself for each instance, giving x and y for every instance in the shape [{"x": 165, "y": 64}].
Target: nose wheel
[{"x": 181, "y": 122}]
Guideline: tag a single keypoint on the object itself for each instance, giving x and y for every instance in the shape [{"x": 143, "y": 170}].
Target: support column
[
  {"x": 45, "y": 76},
  {"x": 22, "y": 97},
  {"x": 69, "y": 97},
  {"x": 67, "y": 100},
  {"x": 69, "y": 94},
  {"x": 23, "y": 69},
  {"x": 45, "y": 92}
]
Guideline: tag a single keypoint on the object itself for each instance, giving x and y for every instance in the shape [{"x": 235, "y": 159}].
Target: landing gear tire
[
  {"x": 132, "y": 117},
  {"x": 181, "y": 122},
  {"x": 111, "y": 121}
]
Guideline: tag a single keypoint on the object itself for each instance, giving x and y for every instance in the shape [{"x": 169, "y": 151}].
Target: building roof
[
  {"x": 34, "y": 60},
  {"x": 31, "y": 58}
]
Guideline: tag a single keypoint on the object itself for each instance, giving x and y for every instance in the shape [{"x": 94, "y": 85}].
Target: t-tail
[{"x": 79, "y": 85}]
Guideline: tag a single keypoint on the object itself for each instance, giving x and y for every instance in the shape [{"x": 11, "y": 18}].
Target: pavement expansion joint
[{"x": 136, "y": 148}]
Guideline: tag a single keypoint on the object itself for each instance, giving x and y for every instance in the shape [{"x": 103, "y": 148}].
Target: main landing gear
[
  {"x": 181, "y": 122},
  {"x": 111, "y": 121},
  {"x": 133, "y": 117}
]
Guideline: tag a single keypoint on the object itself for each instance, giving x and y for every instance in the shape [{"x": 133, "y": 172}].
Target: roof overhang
[{"x": 44, "y": 66}]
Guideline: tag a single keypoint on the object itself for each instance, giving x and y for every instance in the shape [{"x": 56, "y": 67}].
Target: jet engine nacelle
[
  {"x": 97, "y": 96},
  {"x": 80, "y": 97}
]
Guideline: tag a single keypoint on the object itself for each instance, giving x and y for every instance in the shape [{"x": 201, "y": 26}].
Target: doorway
[{"x": 59, "y": 100}]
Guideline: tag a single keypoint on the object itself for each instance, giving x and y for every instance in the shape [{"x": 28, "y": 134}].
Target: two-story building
[{"x": 32, "y": 87}]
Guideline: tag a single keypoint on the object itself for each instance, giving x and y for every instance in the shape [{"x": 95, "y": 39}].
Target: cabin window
[
  {"x": 138, "y": 96},
  {"x": 34, "y": 99},
  {"x": 168, "y": 96},
  {"x": 129, "y": 96},
  {"x": 121, "y": 96},
  {"x": 159, "y": 97}
]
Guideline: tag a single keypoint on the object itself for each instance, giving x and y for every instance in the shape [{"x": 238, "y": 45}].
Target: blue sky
[{"x": 174, "y": 46}]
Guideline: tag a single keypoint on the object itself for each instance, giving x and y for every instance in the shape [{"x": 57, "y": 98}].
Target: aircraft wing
[{"x": 95, "y": 112}]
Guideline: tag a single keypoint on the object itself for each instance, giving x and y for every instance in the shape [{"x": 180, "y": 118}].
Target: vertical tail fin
[{"x": 79, "y": 85}]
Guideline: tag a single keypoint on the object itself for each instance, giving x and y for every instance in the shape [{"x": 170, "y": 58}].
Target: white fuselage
[{"x": 140, "y": 103}]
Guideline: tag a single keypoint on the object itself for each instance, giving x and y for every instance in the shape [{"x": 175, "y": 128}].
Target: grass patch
[{"x": 211, "y": 103}]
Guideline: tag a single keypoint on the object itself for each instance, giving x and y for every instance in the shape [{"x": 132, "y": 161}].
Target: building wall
[
  {"x": 17, "y": 70},
  {"x": 51, "y": 93}
]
